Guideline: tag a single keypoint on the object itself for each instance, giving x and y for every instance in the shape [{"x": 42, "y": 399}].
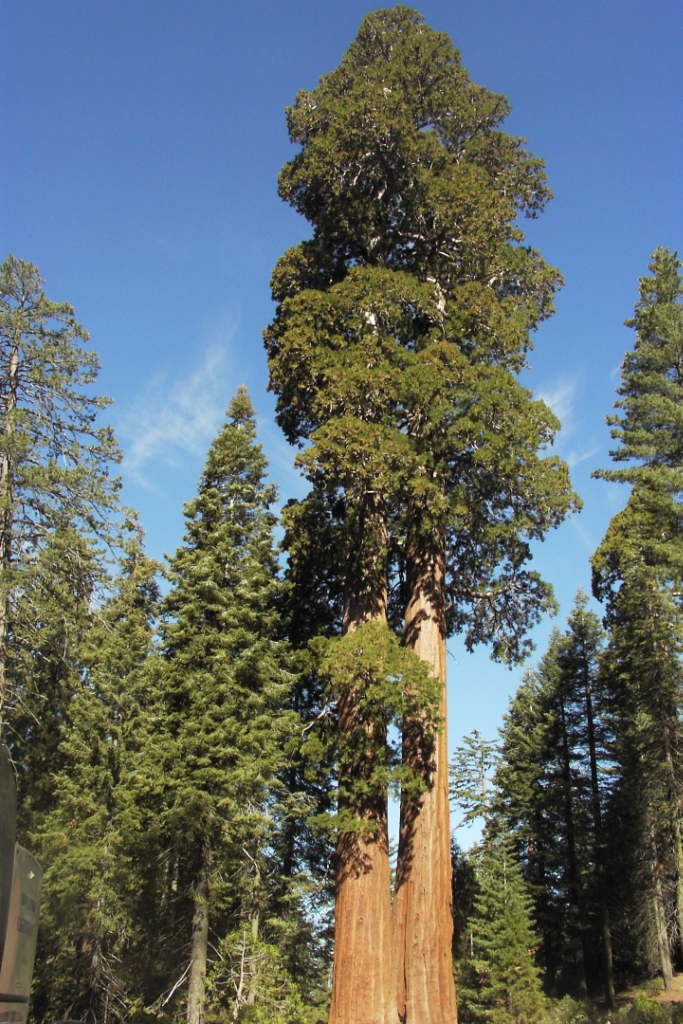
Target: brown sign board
[
  {"x": 8, "y": 821},
  {"x": 20, "y": 940}
]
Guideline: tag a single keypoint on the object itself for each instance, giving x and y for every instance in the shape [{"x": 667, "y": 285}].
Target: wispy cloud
[
  {"x": 170, "y": 419},
  {"x": 561, "y": 398},
  {"x": 574, "y": 458}
]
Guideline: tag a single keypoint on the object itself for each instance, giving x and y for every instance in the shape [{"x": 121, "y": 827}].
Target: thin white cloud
[
  {"x": 171, "y": 419},
  {"x": 561, "y": 398},
  {"x": 574, "y": 458}
]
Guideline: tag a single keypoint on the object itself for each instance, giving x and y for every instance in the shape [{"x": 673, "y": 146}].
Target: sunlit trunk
[
  {"x": 362, "y": 991},
  {"x": 422, "y": 923}
]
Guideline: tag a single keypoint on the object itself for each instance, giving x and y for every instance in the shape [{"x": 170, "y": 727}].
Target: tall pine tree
[
  {"x": 90, "y": 959},
  {"x": 499, "y": 980},
  {"x": 637, "y": 571},
  {"x": 552, "y": 782},
  {"x": 223, "y": 684},
  {"x": 55, "y": 459}
]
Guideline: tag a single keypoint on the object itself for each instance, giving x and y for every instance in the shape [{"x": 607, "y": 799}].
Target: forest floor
[
  {"x": 638, "y": 1005},
  {"x": 655, "y": 990}
]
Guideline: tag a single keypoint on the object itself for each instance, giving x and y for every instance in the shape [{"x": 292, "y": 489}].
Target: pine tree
[
  {"x": 222, "y": 682},
  {"x": 499, "y": 980},
  {"x": 637, "y": 571},
  {"x": 551, "y": 782},
  {"x": 55, "y": 458},
  {"x": 582, "y": 681},
  {"x": 87, "y": 966},
  {"x": 472, "y": 787},
  {"x": 400, "y": 327},
  {"x": 648, "y": 428},
  {"x": 645, "y": 680}
]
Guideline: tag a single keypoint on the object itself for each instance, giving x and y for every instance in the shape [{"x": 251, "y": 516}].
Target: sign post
[
  {"x": 8, "y": 822},
  {"x": 20, "y": 939}
]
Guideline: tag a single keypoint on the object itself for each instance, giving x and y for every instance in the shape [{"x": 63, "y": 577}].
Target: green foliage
[
  {"x": 637, "y": 571},
  {"x": 571, "y": 1011},
  {"x": 499, "y": 980},
  {"x": 244, "y": 966},
  {"x": 56, "y": 460},
  {"x": 647, "y": 1011},
  {"x": 464, "y": 885},
  {"x": 387, "y": 684},
  {"x": 649, "y": 428},
  {"x": 87, "y": 962},
  {"x": 553, "y": 778},
  {"x": 401, "y": 323},
  {"x": 224, "y": 736},
  {"x": 472, "y": 788}
]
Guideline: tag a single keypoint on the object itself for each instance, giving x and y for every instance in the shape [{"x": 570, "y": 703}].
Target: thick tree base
[{"x": 362, "y": 982}]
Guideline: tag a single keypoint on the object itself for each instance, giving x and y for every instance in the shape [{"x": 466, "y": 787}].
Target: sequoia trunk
[
  {"x": 362, "y": 991},
  {"x": 422, "y": 924}
]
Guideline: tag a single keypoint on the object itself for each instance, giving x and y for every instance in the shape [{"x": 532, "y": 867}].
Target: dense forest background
[
  {"x": 178, "y": 731},
  {"x": 173, "y": 753}
]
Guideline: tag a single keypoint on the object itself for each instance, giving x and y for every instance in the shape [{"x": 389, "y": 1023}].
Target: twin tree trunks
[{"x": 397, "y": 966}]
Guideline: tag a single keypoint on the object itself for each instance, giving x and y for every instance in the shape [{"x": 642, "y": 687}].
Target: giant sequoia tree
[{"x": 400, "y": 328}]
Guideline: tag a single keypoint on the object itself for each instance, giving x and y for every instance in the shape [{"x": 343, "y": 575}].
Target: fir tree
[
  {"x": 55, "y": 458},
  {"x": 222, "y": 682},
  {"x": 644, "y": 679},
  {"x": 472, "y": 787},
  {"x": 552, "y": 789},
  {"x": 499, "y": 980},
  {"x": 45, "y": 665},
  {"x": 88, "y": 966},
  {"x": 637, "y": 572}
]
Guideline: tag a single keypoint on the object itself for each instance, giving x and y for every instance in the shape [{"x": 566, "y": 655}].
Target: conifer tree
[
  {"x": 472, "y": 787},
  {"x": 45, "y": 664},
  {"x": 400, "y": 327},
  {"x": 55, "y": 458},
  {"x": 637, "y": 571},
  {"x": 88, "y": 966},
  {"x": 645, "y": 680},
  {"x": 583, "y": 682},
  {"x": 499, "y": 980},
  {"x": 551, "y": 782},
  {"x": 222, "y": 684}
]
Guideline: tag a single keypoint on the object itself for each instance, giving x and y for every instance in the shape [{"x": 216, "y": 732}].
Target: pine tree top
[{"x": 649, "y": 427}]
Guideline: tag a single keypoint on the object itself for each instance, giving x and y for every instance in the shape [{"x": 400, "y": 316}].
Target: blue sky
[{"x": 141, "y": 145}]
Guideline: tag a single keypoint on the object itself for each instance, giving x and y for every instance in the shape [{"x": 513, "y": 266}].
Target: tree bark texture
[
  {"x": 659, "y": 915},
  {"x": 200, "y": 943},
  {"x": 422, "y": 923},
  {"x": 362, "y": 990}
]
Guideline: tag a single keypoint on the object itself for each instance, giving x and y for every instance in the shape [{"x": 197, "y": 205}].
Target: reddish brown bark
[
  {"x": 362, "y": 979},
  {"x": 422, "y": 923},
  {"x": 362, "y": 989}
]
